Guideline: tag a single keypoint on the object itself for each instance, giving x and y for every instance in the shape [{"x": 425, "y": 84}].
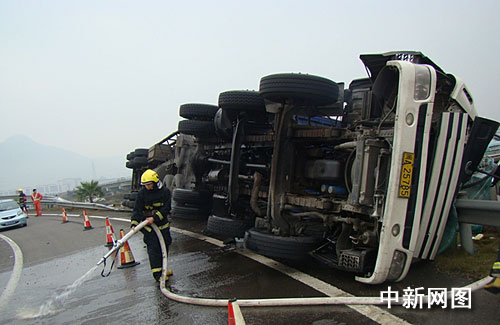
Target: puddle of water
[{"x": 56, "y": 302}]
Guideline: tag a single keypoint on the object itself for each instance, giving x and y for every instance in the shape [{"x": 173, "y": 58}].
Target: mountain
[{"x": 27, "y": 164}]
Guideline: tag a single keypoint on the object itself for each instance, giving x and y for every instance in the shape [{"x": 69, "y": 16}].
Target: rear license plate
[{"x": 406, "y": 174}]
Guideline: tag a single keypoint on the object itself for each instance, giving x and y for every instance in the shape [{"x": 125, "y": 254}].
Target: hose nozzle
[{"x": 119, "y": 243}]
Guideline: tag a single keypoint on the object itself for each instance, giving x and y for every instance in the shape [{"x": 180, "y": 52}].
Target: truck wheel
[
  {"x": 198, "y": 111},
  {"x": 241, "y": 100},
  {"x": 130, "y": 196},
  {"x": 130, "y": 155},
  {"x": 197, "y": 128},
  {"x": 129, "y": 204},
  {"x": 141, "y": 152},
  {"x": 289, "y": 248},
  {"x": 189, "y": 213},
  {"x": 302, "y": 87},
  {"x": 227, "y": 227},
  {"x": 183, "y": 196},
  {"x": 140, "y": 161}
]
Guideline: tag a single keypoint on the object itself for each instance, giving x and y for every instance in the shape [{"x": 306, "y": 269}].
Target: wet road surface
[{"x": 55, "y": 255}]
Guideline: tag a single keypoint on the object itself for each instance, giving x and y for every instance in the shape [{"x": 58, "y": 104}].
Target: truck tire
[
  {"x": 183, "y": 196},
  {"x": 130, "y": 155},
  {"x": 289, "y": 248},
  {"x": 189, "y": 213},
  {"x": 140, "y": 161},
  {"x": 130, "y": 196},
  {"x": 129, "y": 204},
  {"x": 241, "y": 100},
  {"x": 302, "y": 87},
  {"x": 197, "y": 128},
  {"x": 139, "y": 152},
  {"x": 198, "y": 111},
  {"x": 227, "y": 227}
]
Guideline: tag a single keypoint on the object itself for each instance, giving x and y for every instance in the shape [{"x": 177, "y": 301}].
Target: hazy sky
[{"x": 102, "y": 78}]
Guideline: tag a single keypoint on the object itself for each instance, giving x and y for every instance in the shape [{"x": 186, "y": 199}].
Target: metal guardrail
[
  {"x": 475, "y": 212},
  {"x": 478, "y": 212},
  {"x": 50, "y": 199}
]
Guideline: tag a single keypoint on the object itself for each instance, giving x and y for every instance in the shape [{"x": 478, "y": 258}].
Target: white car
[{"x": 11, "y": 214}]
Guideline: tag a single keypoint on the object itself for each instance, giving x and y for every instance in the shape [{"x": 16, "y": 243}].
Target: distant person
[
  {"x": 22, "y": 201},
  {"x": 153, "y": 204},
  {"x": 36, "y": 197},
  {"x": 494, "y": 285}
]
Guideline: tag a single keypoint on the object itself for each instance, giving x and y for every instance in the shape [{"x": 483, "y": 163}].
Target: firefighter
[
  {"x": 36, "y": 197},
  {"x": 494, "y": 285},
  {"x": 22, "y": 201},
  {"x": 153, "y": 204}
]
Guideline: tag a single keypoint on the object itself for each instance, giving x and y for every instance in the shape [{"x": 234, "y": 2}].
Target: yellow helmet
[
  {"x": 149, "y": 176},
  {"x": 20, "y": 190}
]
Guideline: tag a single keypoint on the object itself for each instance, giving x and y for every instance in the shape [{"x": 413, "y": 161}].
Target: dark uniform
[
  {"x": 22, "y": 201},
  {"x": 153, "y": 203}
]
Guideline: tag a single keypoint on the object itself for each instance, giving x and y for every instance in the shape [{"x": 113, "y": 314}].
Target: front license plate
[{"x": 406, "y": 174}]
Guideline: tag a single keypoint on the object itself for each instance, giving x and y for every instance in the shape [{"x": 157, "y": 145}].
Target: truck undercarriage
[{"x": 360, "y": 178}]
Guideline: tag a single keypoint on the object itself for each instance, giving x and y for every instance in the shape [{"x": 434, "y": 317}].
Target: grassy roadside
[{"x": 456, "y": 261}]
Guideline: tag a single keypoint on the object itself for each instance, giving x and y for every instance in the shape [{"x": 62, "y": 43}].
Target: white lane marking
[
  {"x": 373, "y": 312},
  {"x": 16, "y": 272}
]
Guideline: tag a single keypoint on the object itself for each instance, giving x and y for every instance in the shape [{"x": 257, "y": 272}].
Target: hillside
[{"x": 27, "y": 164}]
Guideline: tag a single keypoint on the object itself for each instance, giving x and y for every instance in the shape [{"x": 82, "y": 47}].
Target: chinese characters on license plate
[{"x": 406, "y": 174}]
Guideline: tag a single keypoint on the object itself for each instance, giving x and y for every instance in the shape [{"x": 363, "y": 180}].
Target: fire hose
[
  {"x": 118, "y": 244},
  {"x": 269, "y": 302}
]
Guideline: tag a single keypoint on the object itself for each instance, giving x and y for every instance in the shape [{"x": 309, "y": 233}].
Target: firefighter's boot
[{"x": 494, "y": 285}]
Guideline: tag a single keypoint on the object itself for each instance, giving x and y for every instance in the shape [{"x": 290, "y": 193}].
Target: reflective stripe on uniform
[
  {"x": 158, "y": 213},
  {"x": 158, "y": 204},
  {"x": 134, "y": 222},
  {"x": 156, "y": 269},
  {"x": 165, "y": 226}
]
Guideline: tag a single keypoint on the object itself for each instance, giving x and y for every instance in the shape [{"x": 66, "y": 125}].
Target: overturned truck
[{"x": 361, "y": 178}]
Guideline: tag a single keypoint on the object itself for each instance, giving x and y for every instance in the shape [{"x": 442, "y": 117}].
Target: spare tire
[{"x": 302, "y": 87}]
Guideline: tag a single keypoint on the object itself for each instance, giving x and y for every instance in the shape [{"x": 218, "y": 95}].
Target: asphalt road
[{"x": 56, "y": 254}]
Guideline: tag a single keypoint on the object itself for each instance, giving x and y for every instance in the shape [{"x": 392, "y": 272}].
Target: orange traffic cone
[
  {"x": 64, "y": 216},
  {"x": 126, "y": 256},
  {"x": 110, "y": 234},
  {"x": 86, "y": 221},
  {"x": 234, "y": 314}
]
